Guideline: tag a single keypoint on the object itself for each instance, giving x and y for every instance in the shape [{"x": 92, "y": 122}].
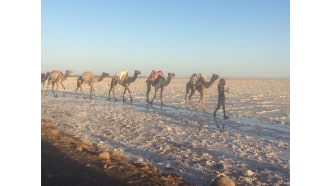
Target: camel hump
[
  {"x": 56, "y": 71},
  {"x": 54, "y": 74},
  {"x": 121, "y": 75},
  {"x": 193, "y": 76},
  {"x": 154, "y": 74},
  {"x": 88, "y": 73},
  {"x": 197, "y": 78},
  {"x": 202, "y": 77}
]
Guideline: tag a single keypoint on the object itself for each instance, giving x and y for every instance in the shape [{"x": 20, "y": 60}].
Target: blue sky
[{"x": 232, "y": 38}]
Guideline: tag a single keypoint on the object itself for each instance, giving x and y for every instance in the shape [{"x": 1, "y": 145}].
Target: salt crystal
[{"x": 249, "y": 173}]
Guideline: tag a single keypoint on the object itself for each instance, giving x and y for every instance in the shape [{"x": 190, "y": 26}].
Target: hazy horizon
[{"x": 188, "y": 76}]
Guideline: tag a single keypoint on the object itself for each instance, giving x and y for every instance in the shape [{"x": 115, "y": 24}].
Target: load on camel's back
[
  {"x": 154, "y": 74},
  {"x": 121, "y": 75},
  {"x": 197, "y": 78}
]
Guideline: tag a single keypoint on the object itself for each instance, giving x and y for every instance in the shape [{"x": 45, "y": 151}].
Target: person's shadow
[{"x": 219, "y": 123}]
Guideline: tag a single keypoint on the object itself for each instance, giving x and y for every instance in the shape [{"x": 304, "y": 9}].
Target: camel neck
[
  {"x": 66, "y": 75},
  {"x": 168, "y": 81},
  {"x": 208, "y": 84},
  {"x": 134, "y": 77},
  {"x": 98, "y": 79}
]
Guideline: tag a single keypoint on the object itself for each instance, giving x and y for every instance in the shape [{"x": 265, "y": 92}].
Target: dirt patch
[{"x": 66, "y": 160}]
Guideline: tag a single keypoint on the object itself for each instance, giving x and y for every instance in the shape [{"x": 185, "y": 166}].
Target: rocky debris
[
  {"x": 66, "y": 160},
  {"x": 249, "y": 173},
  {"x": 222, "y": 180},
  {"x": 104, "y": 155}
]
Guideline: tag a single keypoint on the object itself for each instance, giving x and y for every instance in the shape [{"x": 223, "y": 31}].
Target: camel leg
[
  {"x": 53, "y": 91},
  {"x": 56, "y": 91},
  {"x": 76, "y": 91},
  {"x": 192, "y": 91},
  {"x": 81, "y": 92},
  {"x": 110, "y": 89},
  {"x": 130, "y": 96},
  {"x": 186, "y": 96},
  {"x": 46, "y": 91},
  {"x": 109, "y": 93},
  {"x": 114, "y": 83},
  {"x": 154, "y": 96},
  {"x": 114, "y": 93},
  {"x": 161, "y": 95},
  {"x": 91, "y": 91},
  {"x": 190, "y": 96},
  {"x": 63, "y": 89},
  {"x": 185, "y": 100},
  {"x": 201, "y": 101},
  {"x": 203, "y": 104},
  {"x": 78, "y": 86},
  {"x": 124, "y": 94},
  {"x": 148, "y": 91},
  {"x": 54, "y": 94}
]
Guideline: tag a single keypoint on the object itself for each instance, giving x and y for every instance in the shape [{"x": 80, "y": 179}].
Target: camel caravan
[{"x": 156, "y": 80}]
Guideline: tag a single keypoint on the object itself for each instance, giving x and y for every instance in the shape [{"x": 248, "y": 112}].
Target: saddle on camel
[{"x": 154, "y": 74}]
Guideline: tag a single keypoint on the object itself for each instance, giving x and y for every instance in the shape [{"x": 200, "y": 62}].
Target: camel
[
  {"x": 200, "y": 84},
  {"x": 44, "y": 77},
  {"x": 57, "y": 77},
  {"x": 89, "y": 79},
  {"x": 125, "y": 81},
  {"x": 158, "y": 83}
]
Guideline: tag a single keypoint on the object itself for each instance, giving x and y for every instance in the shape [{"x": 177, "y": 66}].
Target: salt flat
[{"x": 252, "y": 147}]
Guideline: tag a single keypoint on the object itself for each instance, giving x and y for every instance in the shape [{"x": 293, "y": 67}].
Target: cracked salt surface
[{"x": 252, "y": 147}]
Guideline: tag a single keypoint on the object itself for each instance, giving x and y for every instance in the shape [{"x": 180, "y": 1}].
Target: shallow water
[{"x": 187, "y": 142}]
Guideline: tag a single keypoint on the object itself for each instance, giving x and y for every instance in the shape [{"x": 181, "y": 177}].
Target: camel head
[
  {"x": 100, "y": 78},
  {"x": 68, "y": 72},
  {"x": 214, "y": 77},
  {"x": 137, "y": 72},
  {"x": 170, "y": 75},
  {"x": 104, "y": 74},
  {"x": 44, "y": 76}
]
